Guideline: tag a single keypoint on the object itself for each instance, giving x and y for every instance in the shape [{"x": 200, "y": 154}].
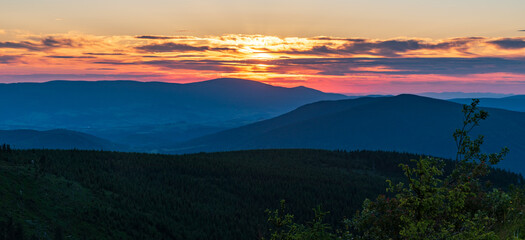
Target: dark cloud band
[
  {"x": 180, "y": 47},
  {"x": 388, "y": 48},
  {"x": 405, "y": 66},
  {"x": 345, "y": 66},
  {"x": 69, "y": 57},
  {"x": 44, "y": 44},
  {"x": 79, "y": 76},
  {"x": 153, "y": 37},
  {"x": 172, "y": 47},
  {"x": 8, "y": 59},
  {"x": 510, "y": 43}
]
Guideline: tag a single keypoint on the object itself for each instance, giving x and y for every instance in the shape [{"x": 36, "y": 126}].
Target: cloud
[
  {"x": 345, "y": 66},
  {"x": 55, "y": 56},
  {"x": 52, "y": 42},
  {"x": 203, "y": 65},
  {"x": 385, "y": 48},
  {"x": 8, "y": 59},
  {"x": 326, "y": 38},
  {"x": 396, "y": 66},
  {"x": 23, "y": 45},
  {"x": 153, "y": 37},
  {"x": 32, "y": 77},
  {"x": 117, "y": 63},
  {"x": 285, "y": 81},
  {"x": 104, "y": 54},
  {"x": 455, "y": 82},
  {"x": 44, "y": 44},
  {"x": 180, "y": 47},
  {"x": 103, "y": 69},
  {"x": 172, "y": 47},
  {"x": 176, "y": 56},
  {"x": 285, "y": 58},
  {"x": 453, "y": 66},
  {"x": 510, "y": 43}
]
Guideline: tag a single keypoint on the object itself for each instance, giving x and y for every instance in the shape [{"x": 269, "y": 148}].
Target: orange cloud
[{"x": 327, "y": 63}]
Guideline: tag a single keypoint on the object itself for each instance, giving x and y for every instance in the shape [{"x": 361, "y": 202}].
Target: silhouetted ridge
[
  {"x": 147, "y": 114},
  {"x": 406, "y": 123},
  {"x": 513, "y": 103},
  {"x": 229, "y": 81},
  {"x": 54, "y": 139}
]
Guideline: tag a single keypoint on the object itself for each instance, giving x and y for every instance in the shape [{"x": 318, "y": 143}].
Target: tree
[
  {"x": 284, "y": 227},
  {"x": 11, "y": 230},
  {"x": 428, "y": 205}
]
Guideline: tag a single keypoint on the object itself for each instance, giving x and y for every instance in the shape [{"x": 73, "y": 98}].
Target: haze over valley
[{"x": 236, "y": 114}]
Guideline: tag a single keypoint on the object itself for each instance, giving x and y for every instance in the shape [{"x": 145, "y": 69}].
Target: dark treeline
[{"x": 97, "y": 195}]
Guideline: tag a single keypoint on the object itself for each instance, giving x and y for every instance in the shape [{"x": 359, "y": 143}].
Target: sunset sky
[{"x": 345, "y": 46}]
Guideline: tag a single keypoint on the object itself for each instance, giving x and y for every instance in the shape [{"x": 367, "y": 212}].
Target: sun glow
[
  {"x": 262, "y": 56},
  {"x": 325, "y": 63}
]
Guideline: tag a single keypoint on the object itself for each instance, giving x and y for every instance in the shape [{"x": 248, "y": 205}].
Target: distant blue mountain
[
  {"x": 54, "y": 139},
  {"x": 145, "y": 114},
  {"x": 513, "y": 103},
  {"x": 452, "y": 95},
  {"x": 405, "y": 123}
]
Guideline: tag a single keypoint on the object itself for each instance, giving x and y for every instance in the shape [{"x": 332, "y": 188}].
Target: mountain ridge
[
  {"x": 405, "y": 123},
  {"x": 130, "y": 111},
  {"x": 511, "y": 103},
  {"x": 54, "y": 139}
]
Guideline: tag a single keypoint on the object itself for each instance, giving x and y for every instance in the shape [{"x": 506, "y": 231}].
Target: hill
[
  {"x": 465, "y": 95},
  {"x": 146, "y": 114},
  {"x": 405, "y": 123},
  {"x": 513, "y": 103},
  {"x": 54, "y": 139},
  {"x": 111, "y": 195}
]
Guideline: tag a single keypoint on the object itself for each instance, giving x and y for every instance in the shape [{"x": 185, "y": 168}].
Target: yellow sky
[{"x": 298, "y": 18}]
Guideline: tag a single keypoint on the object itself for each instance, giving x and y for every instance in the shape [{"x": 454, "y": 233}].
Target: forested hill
[
  {"x": 405, "y": 123},
  {"x": 147, "y": 114},
  {"x": 55, "y": 139},
  {"x": 72, "y": 194}
]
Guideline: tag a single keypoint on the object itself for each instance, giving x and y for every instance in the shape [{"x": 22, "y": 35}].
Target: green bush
[{"x": 429, "y": 205}]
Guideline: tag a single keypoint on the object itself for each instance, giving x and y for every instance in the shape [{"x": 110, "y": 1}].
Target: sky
[{"x": 344, "y": 46}]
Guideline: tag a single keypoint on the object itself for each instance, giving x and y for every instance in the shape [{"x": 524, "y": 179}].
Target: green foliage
[
  {"x": 428, "y": 209},
  {"x": 10, "y": 230},
  {"x": 428, "y": 205},
  {"x": 283, "y": 227},
  {"x": 110, "y": 195},
  {"x": 433, "y": 207},
  {"x": 471, "y": 162}
]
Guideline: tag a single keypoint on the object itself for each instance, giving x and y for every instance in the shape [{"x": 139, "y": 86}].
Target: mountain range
[
  {"x": 143, "y": 114},
  {"x": 405, "y": 123},
  {"x": 55, "y": 139},
  {"x": 236, "y": 114},
  {"x": 513, "y": 103},
  {"x": 465, "y": 95}
]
